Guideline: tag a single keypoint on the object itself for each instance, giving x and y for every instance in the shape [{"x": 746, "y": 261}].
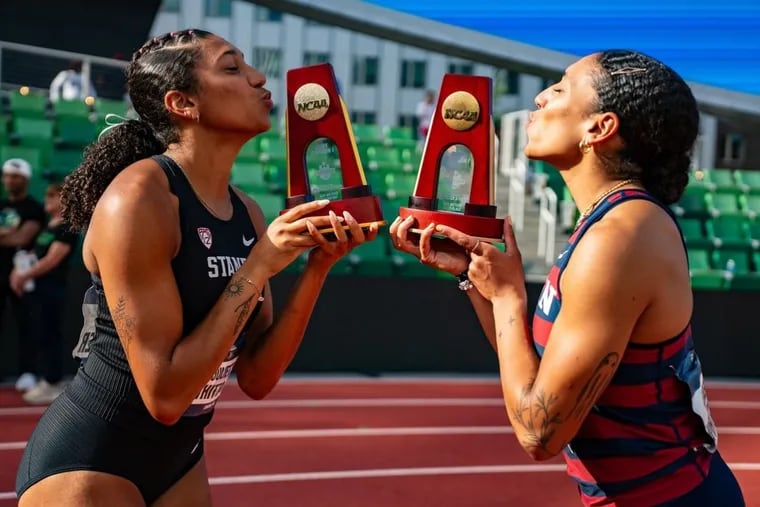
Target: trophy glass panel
[
  {"x": 455, "y": 178},
  {"x": 323, "y": 169}
]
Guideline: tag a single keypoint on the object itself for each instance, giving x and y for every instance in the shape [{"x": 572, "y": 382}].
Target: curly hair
[
  {"x": 162, "y": 64},
  {"x": 659, "y": 120}
]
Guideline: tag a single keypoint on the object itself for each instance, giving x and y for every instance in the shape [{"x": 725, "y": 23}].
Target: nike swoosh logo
[{"x": 248, "y": 242}]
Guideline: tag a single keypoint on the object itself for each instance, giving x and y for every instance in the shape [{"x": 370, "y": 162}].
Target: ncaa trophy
[
  {"x": 459, "y": 150},
  {"x": 321, "y": 146}
]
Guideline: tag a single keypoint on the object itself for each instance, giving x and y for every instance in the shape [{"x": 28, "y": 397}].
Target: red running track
[{"x": 388, "y": 442}]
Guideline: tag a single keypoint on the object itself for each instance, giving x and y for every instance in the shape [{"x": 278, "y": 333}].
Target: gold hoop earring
[{"x": 584, "y": 146}]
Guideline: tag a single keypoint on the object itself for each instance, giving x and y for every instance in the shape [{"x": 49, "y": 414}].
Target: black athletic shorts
[{"x": 69, "y": 437}]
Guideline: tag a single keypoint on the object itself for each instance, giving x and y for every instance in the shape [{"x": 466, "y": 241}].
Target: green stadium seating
[
  {"x": 75, "y": 131},
  {"x": 63, "y": 161},
  {"x": 694, "y": 233},
  {"x": 692, "y": 203},
  {"x": 728, "y": 231},
  {"x": 71, "y": 108},
  {"x": 748, "y": 180},
  {"x": 750, "y": 204},
  {"x": 249, "y": 177},
  {"x": 31, "y": 155},
  {"x": 400, "y": 137},
  {"x": 721, "y": 180},
  {"x": 367, "y": 134},
  {"x": 703, "y": 275},
  {"x": 722, "y": 203},
  {"x": 28, "y": 106}
]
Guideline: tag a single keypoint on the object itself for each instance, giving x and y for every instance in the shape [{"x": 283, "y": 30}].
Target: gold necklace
[
  {"x": 590, "y": 208},
  {"x": 203, "y": 202}
]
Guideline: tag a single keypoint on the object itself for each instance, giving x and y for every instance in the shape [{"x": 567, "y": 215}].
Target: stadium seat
[
  {"x": 721, "y": 180},
  {"x": 276, "y": 176},
  {"x": 31, "y": 155},
  {"x": 400, "y": 137},
  {"x": 750, "y": 204},
  {"x": 71, "y": 108},
  {"x": 102, "y": 107},
  {"x": 732, "y": 260},
  {"x": 249, "y": 177},
  {"x": 703, "y": 275},
  {"x": 694, "y": 233},
  {"x": 722, "y": 203},
  {"x": 75, "y": 131},
  {"x": 249, "y": 152},
  {"x": 748, "y": 180},
  {"x": 728, "y": 231},
  {"x": 368, "y": 134},
  {"x": 272, "y": 148},
  {"x": 271, "y": 204},
  {"x": 386, "y": 159},
  {"x": 28, "y": 106},
  {"x": 63, "y": 161}
]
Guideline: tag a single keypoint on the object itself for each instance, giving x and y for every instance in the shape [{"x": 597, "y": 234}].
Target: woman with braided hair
[
  {"x": 607, "y": 374},
  {"x": 180, "y": 262}
]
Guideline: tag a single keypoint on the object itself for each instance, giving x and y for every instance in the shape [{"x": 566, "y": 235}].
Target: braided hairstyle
[
  {"x": 162, "y": 64},
  {"x": 659, "y": 121}
]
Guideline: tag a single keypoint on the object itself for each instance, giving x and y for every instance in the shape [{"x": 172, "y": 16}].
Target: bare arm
[
  {"x": 56, "y": 253},
  {"x": 484, "y": 311},
  {"x": 169, "y": 369},
  {"x": 21, "y": 236},
  {"x": 272, "y": 342},
  {"x": 603, "y": 295}
]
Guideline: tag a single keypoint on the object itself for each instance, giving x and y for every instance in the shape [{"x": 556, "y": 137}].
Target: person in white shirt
[
  {"x": 425, "y": 111},
  {"x": 69, "y": 84}
]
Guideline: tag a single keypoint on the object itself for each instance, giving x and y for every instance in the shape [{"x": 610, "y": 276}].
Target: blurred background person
[
  {"x": 21, "y": 219},
  {"x": 69, "y": 84},
  {"x": 45, "y": 302}
]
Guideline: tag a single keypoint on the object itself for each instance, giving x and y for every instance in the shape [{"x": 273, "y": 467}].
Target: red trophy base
[
  {"x": 365, "y": 209},
  {"x": 486, "y": 229}
]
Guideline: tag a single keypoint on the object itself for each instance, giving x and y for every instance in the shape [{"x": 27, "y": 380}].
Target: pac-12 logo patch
[{"x": 205, "y": 234}]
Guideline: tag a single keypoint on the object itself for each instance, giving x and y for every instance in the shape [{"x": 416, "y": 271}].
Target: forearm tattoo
[
  {"x": 598, "y": 382},
  {"x": 125, "y": 324},
  {"x": 243, "y": 310},
  {"x": 537, "y": 411},
  {"x": 235, "y": 288}
]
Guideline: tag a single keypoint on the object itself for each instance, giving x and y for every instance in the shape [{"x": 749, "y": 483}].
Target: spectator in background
[
  {"x": 425, "y": 111},
  {"x": 21, "y": 219},
  {"x": 45, "y": 302},
  {"x": 69, "y": 84}
]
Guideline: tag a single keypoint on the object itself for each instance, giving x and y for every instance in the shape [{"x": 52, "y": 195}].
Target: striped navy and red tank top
[{"x": 650, "y": 437}]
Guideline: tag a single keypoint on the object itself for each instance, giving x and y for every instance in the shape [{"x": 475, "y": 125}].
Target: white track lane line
[
  {"x": 378, "y": 432},
  {"x": 372, "y": 402}
]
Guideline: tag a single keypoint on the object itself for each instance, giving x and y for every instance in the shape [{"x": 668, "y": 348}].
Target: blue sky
[{"x": 707, "y": 41}]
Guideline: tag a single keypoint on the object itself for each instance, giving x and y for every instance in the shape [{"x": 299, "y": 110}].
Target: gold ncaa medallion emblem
[
  {"x": 311, "y": 101},
  {"x": 460, "y": 110}
]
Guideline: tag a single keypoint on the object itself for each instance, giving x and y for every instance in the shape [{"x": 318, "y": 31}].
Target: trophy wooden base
[
  {"x": 365, "y": 209},
  {"x": 487, "y": 229}
]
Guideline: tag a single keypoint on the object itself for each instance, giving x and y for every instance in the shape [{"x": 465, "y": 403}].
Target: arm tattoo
[
  {"x": 235, "y": 288},
  {"x": 511, "y": 320},
  {"x": 536, "y": 414},
  {"x": 125, "y": 324},
  {"x": 243, "y": 310},
  {"x": 598, "y": 381}
]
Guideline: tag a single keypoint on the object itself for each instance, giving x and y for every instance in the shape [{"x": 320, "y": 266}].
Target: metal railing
[
  {"x": 514, "y": 164},
  {"x": 35, "y": 67},
  {"x": 547, "y": 224}
]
